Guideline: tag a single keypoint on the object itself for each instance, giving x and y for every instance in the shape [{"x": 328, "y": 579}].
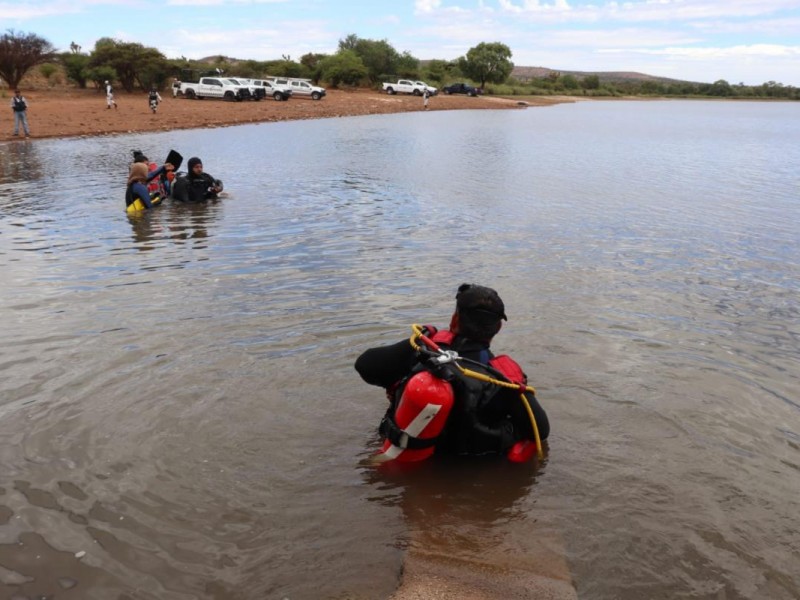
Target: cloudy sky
[{"x": 749, "y": 41}]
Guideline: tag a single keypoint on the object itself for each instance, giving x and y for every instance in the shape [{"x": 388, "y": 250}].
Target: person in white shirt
[{"x": 110, "y": 96}]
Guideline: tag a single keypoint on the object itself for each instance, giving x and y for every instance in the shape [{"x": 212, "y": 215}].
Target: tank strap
[{"x": 400, "y": 438}]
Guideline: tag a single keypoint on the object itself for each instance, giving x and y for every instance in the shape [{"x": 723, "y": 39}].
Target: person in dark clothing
[
  {"x": 196, "y": 186},
  {"x": 153, "y": 99},
  {"x": 485, "y": 418},
  {"x": 20, "y": 107},
  {"x": 138, "y": 177}
]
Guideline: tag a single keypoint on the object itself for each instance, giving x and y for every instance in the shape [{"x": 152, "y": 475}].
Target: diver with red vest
[
  {"x": 449, "y": 393},
  {"x": 139, "y": 176}
]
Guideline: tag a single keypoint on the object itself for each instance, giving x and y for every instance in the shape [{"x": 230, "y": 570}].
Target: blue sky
[{"x": 749, "y": 41}]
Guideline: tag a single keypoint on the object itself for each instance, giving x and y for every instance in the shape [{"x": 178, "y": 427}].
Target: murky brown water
[{"x": 179, "y": 416}]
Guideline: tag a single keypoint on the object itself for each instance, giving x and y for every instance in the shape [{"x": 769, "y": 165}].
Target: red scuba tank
[
  {"x": 154, "y": 185},
  {"x": 421, "y": 413}
]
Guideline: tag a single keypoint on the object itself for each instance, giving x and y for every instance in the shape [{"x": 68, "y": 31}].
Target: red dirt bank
[{"x": 71, "y": 113}]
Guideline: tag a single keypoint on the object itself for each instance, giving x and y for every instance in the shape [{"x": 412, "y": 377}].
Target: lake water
[{"x": 177, "y": 397}]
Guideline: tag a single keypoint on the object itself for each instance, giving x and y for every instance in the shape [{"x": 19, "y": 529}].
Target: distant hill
[{"x": 528, "y": 73}]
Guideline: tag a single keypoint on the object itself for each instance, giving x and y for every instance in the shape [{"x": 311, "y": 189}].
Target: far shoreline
[
  {"x": 63, "y": 113},
  {"x": 75, "y": 113}
]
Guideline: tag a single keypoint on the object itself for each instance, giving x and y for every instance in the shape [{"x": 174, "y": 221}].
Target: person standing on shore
[
  {"x": 154, "y": 99},
  {"x": 20, "y": 107},
  {"x": 110, "y": 95},
  {"x": 425, "y": 95}
]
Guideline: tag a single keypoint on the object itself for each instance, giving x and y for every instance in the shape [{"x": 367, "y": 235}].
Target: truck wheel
[
  {"x": 230, "y": 96},
  {"x": 390, "y": 91},
  {"x": 316, "y": 95},
  {"x": 277, "y": 96},
  {"x": 417, "y": 93},
  {"x": 447, "y": 92},
  {"x": 190, "y": 94}
]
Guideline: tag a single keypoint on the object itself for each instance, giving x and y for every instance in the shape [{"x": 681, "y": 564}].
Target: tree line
[
  {"x": 592, "y": 85},
  {"x": 357, "y": 62}
]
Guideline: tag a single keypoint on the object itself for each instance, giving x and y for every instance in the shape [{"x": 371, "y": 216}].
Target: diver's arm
[{"x": 386, "y": 365}]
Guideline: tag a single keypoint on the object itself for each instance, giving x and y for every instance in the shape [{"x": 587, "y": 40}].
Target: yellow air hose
[{"x": 418, "y": 335}]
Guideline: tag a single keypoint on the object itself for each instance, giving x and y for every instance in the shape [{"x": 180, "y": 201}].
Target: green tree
[
  {"x": 591, "y": 82},
  {"x": 343, "y": 67},
  {"x": 285, "y": 68},
  {"x": 132, "y": 62},
  {"x": 569, "y": 82},
  {"x": 48, "y": 70},
  {"x": 152, "y": 69},
  {"x": 652, "y": 88},
  {"x": 720, "y": 88},
  {"x": 378, "y": 56},
  {"x": 437, "y": 71},
  {"x": 75, "y": 67},
  {"x": 487, "y": 62},
  {"x": 311, "y": 62},
  {"x": 251, "y": 69},
  {"x": 20, "y": 52},
  {"x": 98, "y": 75},
  {"x": 407, "y": 66}
]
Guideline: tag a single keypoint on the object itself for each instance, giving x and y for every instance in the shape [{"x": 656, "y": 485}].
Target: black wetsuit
[{"x": 195, "y": 188}]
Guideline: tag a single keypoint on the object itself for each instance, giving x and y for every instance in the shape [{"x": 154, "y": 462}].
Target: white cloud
[
  {"x": 647, "y": 10},
  {"x": 767, "y": 27},
  {"x": 255, "y": 43},
  {"x": 220, "y": 2},
  {"x": 754, "y": 50},
  {"x": 624, "y": 38},
  {"x": 26, "y": 11},
  {"x": 426, "y": 6}
]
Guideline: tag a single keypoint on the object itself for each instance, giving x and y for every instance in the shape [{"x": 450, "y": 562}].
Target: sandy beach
[{"x": 57, "y": 113}]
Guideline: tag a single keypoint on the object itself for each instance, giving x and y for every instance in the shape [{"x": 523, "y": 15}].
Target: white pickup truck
[
  {"x": 214, "y": 87},
  {"x": 300, "y": 87},
  {"x": 272, "y": 89},
  {"x": 408, "y": 86}
]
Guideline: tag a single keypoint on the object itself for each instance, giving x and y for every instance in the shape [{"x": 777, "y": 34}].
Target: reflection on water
[
  {"x": 179, "y": 416},
  {"x": 182, "y": 223}
]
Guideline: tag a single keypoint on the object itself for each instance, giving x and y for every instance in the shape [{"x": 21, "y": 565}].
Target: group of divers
[
  {"x": 148, "y": 184},
  {"x": 448, "y": 392}
]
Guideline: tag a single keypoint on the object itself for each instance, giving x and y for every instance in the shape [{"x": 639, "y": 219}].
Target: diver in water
[
  {"x": 484, "y": 418},
  {"x": 138, "y": 177},
  {"x": 196, "y": 185}
]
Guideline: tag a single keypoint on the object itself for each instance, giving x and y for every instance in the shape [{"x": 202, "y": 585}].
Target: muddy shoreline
[{"x": 80, "y": 113}]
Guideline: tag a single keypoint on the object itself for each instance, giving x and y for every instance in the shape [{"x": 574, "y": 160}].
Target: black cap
[
  {"x": 138, "y": 156},
  {"x": 477, "y": 298},
  {"x": 194, "y": 161}
]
